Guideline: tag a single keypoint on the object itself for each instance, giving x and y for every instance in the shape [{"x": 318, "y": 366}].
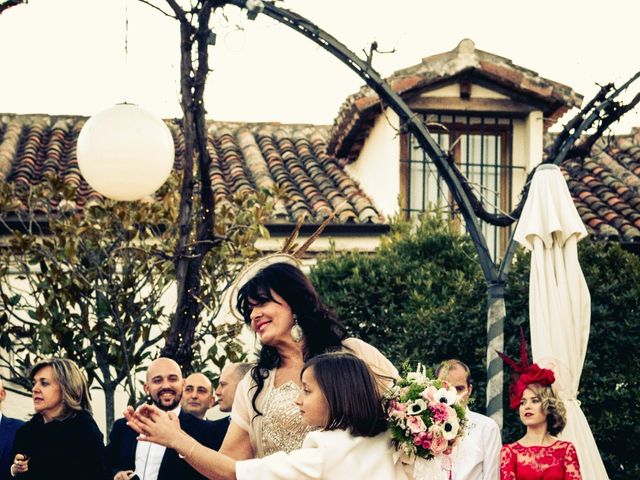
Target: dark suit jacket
[
  {"x": 219, "y": 429},
  {"x": 8, "y": 427},
  {"x": 121, "y": 450}
]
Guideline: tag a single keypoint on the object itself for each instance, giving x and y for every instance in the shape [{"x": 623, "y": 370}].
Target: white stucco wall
[
  {"x": 360, "y": 243},
  {"x": 527, "y": 153},
  {"x": 377, "y": 169},
  {"x": 453, "y": 90},
  {"x": 535, "y": 139}
]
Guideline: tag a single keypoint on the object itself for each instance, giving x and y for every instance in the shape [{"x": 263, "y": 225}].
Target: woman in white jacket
[{"x": 339, "y": 395}]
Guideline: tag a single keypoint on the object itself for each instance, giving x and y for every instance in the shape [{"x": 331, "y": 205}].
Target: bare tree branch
[
  {"x": 180, "y": 14},
  {"x": 146, "y": 2}
]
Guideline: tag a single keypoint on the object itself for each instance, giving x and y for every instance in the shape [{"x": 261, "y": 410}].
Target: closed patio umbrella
[{"x": 559, "y": 301}]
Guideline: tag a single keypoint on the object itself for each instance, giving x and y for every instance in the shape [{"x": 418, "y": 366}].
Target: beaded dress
[{"x": 280, "y": 426}]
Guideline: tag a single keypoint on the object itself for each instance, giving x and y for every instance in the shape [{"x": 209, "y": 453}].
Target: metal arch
[
  {"x": 494, "y": 278},
  {"x": 408, "y": 118}
]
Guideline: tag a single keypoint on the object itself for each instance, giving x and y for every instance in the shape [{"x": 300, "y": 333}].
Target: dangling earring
[{"x": 296, "y": 330}]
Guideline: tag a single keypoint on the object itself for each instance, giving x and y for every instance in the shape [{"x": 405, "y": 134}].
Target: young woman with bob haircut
[
  {"x": 351, "y": 392},
  {"x": 62, "y": 439},
  {"x": 339, "y": 396},
  {"x": 539, "y": 454}
]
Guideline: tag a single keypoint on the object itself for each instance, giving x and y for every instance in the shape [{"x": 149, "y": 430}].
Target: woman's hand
[
  {"x": 20, "y": 464},
  {"x": 154, "y": 425}
]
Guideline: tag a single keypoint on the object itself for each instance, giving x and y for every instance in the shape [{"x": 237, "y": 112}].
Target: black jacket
[
  {"x": 70, "y": 448},
  {"x": 121, "y": 450}
]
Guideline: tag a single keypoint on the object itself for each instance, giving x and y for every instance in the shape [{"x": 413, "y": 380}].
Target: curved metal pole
[
  {"x": 408, "y": 118},
  {"x": 410, "y": 121}
]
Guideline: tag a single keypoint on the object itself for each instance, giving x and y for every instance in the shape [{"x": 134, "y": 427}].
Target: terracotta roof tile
[
  {"x": 245, "y": 157},
  {"x": 606, "y": 188}
]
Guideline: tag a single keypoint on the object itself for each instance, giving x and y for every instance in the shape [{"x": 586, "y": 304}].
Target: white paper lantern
[{"x": 125, "y": 153}]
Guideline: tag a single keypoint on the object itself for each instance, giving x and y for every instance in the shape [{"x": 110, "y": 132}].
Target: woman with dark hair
[
  {"x": 339, "y": 396},
  {"x": 293, "y": 325},
  {"x": 61, "y": 440}
]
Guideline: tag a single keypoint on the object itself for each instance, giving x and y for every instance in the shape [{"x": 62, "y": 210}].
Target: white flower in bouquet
[
  {"x": 451, "y": 426},
  {"x": 419, "y": 376},
  {"x": 436, "y": 430},
  {"x": 416, "y": 377},
  {"x": 416, "y": 407},
  {"x": 447, "y": 395}
]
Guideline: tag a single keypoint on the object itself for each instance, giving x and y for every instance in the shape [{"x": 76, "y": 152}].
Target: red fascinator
[{"x": 525, "y": 374}]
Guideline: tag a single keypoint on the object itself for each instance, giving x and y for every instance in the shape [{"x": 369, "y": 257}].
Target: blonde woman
[
  {"x": 538, "y": 455},
  {"x": 61, "y": 440}
]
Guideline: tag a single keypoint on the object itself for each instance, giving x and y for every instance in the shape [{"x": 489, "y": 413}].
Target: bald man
[
  {"x": 133, "y": 460},
  {"x": 8, "y": 428},
  {"x": 197, "y": 396},
  {"x": 230, "y": 376}
]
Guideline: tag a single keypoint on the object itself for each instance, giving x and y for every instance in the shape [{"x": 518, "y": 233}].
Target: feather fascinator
[{"x": 525, "y": 373}]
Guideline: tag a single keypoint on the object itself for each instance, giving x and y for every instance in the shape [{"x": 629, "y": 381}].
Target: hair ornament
[
  {"x": 290, "y": 253},
  {"x": 525, "y": 373}
]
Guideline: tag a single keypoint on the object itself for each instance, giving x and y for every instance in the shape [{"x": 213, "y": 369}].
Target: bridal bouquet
[{"x": 426, "y": 417}]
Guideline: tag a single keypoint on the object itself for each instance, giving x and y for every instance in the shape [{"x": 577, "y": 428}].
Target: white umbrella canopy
[{"x": 559, "y": 301}]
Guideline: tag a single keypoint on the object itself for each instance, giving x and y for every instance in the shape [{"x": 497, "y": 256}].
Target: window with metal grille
[{"x": 482, "y": 147}]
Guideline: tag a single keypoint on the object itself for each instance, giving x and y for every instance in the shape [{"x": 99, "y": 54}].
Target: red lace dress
[{"x": 557, "y": 461}]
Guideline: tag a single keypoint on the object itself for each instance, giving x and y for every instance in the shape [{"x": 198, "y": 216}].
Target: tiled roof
[
  {"x": 358, "y": 111},
  {"x": 606, "y": 188},
  {"x": 244, "y": 157}
]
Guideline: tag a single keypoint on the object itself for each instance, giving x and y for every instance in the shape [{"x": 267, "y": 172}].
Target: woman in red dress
[{"x": 539, "y": 455}]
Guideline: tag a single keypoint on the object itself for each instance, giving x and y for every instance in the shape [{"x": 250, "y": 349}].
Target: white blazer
[{"x": 330, "y": 455}]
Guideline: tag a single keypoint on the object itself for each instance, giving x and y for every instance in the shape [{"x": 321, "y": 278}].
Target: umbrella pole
[{"x": 495, "y": 343}]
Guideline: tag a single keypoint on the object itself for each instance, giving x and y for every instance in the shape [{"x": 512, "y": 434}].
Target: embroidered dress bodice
[
  {"x": 557, "y": 461},
  {"x": 283, "y": 429}
]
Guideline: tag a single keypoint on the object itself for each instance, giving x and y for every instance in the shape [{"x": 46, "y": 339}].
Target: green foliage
[
  {"x": 91, "y": 288},
  {"x": 609, "y": 386},
  {"x": 421, "y": 298}
]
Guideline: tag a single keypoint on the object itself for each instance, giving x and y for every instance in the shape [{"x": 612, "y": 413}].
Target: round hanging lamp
[{"x": 125, "y": 153}]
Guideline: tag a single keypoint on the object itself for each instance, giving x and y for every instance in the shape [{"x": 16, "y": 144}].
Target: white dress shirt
[
  {"x": 149, "y": 457},
  {"x": 477, "y": 457}
]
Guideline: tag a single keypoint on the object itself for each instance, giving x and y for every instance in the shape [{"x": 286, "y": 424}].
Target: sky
[{"x": 68, "y": 56}]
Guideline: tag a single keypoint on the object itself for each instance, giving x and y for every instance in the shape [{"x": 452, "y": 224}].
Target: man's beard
[{"x": 172, "y": 405}]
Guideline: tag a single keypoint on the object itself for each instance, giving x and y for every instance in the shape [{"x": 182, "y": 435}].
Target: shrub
[{"x": 421, "y": 297}]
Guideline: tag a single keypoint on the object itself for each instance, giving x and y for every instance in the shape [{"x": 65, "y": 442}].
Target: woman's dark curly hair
[{"x": 323, "y": 331}]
